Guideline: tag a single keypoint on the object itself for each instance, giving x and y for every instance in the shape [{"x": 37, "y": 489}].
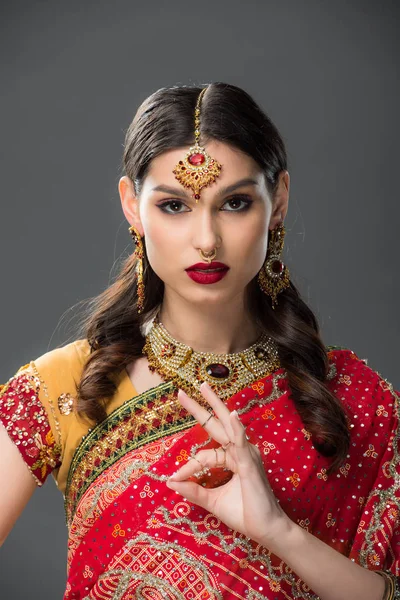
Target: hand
[{"x": 246, "y": 502}]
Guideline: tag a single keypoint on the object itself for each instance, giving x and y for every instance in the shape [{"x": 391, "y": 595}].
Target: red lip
[
  {"x": 206, "y": 266},
  {"x": 207, "y": 277}
]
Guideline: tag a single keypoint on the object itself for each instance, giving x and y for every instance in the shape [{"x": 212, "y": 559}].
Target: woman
[{"x": 207, "y": 443}]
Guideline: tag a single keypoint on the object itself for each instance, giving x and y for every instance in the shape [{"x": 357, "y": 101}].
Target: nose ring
[{"x": 209, "y": 257}]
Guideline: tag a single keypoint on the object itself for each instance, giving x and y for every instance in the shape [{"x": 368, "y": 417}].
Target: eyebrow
[{"x": 222, "y": 192}]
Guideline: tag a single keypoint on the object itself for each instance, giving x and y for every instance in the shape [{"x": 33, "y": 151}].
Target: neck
[{"x": 220, "y": 329}]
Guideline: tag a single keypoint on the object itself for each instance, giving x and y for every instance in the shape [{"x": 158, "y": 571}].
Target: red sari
[{"x": 130, "y": 536}]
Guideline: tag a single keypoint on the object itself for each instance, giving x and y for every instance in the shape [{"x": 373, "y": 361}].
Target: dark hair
[{"x": 113, "y": 328}]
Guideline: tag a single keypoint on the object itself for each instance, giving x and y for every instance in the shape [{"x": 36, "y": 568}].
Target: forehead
[{"x": 236, "y": 165}]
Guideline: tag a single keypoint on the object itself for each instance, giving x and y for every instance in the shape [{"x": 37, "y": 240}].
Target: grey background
[{"x": 72, "y": 75}]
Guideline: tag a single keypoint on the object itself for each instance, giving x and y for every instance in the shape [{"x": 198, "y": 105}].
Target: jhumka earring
[
  {"x": 273, "y": 277},
  {"x": 138, "y": 253},
  {"x": 197, "y": 169}
]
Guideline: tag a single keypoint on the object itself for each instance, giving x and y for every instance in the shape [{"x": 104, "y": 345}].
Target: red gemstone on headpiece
[
  {"x": 277, "y": 267},
  {"x": 196, "y": 159},
  {"x": 197, "y": 196}
]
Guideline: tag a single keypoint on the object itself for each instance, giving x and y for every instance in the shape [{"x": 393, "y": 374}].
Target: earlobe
[
  {"x": 281, "y": 199},
  {"x": 130, "y": 203}
]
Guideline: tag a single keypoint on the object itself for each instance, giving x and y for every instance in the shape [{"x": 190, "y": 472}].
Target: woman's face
[{"x": 232, "y": 215}]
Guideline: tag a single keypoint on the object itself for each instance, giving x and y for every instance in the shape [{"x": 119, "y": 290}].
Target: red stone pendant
[
  {"x": 196, "y": 159},
  {"x": 217, "y": 370},
  {"x": 277, "y": 267}
]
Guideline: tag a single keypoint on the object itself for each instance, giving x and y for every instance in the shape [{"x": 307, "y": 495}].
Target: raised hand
[{"x": 246, "y": 502}]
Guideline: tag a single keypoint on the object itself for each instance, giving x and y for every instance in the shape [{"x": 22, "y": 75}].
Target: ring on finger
[
  {"x": 203, "y": 470},
  {"x": 206, "y": 421},
  {"x": 217, "y": 464},
  {"x": 201, "y": 464},
  {"x": 225, "y": 446}
]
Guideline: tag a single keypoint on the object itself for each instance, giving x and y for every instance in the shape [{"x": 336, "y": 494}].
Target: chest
[{"x": 141, "y": 377}]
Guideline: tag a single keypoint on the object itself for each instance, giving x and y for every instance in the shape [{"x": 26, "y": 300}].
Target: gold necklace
[{"x": 227, "y": 374}]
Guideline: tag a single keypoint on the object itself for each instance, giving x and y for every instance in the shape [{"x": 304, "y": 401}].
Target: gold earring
[
  {"x": 138, "y": 253},
  {"x": 273, "y": 277}
]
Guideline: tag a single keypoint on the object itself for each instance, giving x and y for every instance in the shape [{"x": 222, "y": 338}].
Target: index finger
[
  {"x": 220, "y": 409},
  {"x": 214, "y": 426}
]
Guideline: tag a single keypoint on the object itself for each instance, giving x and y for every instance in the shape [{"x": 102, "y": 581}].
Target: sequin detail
[
  {"x": 26, "y": 421},
  {"x": 65, "y": 404}
]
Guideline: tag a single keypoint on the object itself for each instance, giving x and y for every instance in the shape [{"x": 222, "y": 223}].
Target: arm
[
  {"x": 329, "y": 574},
  {"x": 17, "y": 486}
]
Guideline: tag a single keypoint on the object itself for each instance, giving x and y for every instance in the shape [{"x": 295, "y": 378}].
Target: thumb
[{"x": 191, "y": 491}]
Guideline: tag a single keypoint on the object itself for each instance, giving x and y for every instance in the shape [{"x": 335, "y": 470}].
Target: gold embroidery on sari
[
  {"x": 139, "y": 421},
  {"x": 110, "y": 484},
  {"x": 387, "y": 499},
  {"x": 277, "y": 572},
  {"x": 172, "y": 559}
]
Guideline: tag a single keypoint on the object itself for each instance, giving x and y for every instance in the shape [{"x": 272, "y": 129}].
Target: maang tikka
[{"x": 197, "y": 169}]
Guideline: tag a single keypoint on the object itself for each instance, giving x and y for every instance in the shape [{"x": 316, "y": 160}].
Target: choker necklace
[{"x": 226, "y": 374}]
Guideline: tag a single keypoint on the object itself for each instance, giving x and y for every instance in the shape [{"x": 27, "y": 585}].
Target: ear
[
  {"x": 130, "y": 203},
  {"x": 281, "y": 199}
]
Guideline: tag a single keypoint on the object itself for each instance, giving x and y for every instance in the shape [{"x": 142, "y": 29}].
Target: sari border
[{"x": 94, "y": 434}]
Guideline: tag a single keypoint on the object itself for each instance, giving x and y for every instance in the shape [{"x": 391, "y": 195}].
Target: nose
[{"x": 206, "y": 234}]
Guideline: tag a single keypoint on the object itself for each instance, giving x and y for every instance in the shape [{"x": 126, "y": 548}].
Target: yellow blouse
[{"x": 59, "y": 372}]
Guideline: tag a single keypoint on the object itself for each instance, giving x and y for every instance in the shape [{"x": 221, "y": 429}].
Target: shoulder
[
  {"x": 36, "y": 407},
  {"x": 59, "y": 372},
  {"x": 348, "y": 369},
  {"x": 55, "y": 376},
  {"x": 60, "y": 368},
  {"x": 64, "y": 362},
  {"x": 369, "y": 399},
  {"x": 342, "y": 361}
]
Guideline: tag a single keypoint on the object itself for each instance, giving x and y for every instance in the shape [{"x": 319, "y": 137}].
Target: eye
[
  {"x": 172, "y": 204},
  {"x": 238, "y": 203},
  {"x": 235, "y": 200}
]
